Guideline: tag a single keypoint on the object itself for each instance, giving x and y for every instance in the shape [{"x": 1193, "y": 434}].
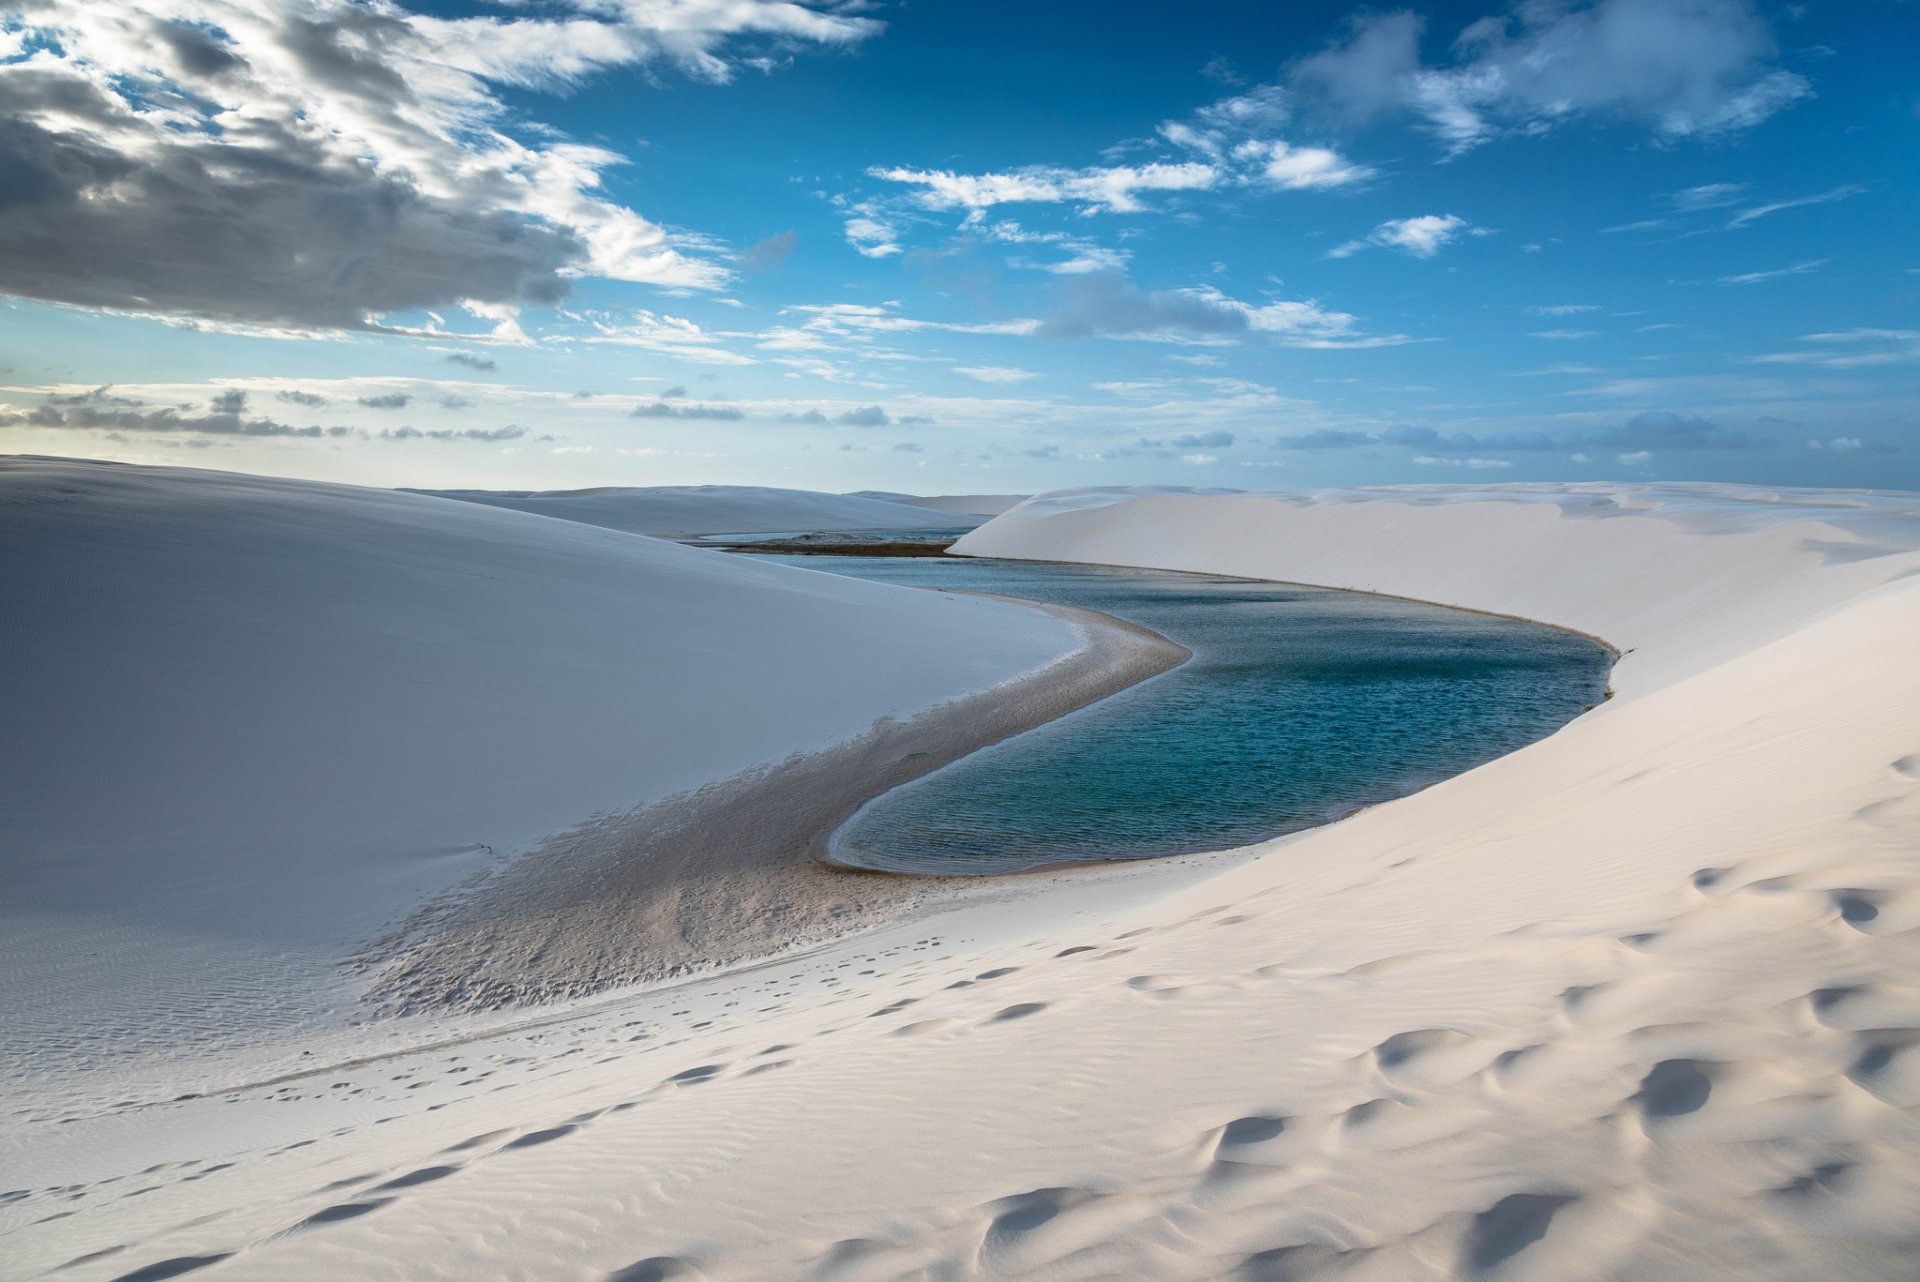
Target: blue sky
[{"x": 964, "y": 247}]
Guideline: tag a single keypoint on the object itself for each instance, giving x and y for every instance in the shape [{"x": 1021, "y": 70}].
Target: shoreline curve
[{"x": 731, "y": 872}]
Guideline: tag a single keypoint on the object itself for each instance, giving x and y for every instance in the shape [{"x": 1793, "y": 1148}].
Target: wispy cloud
[
  {"x": 1755, "y": 278},
  {"x": 1113, "y": 188},
  {"x": 995, "y": 373},
  {"x": 1852, "y": 349},
  {"x": 1754, "y": 213}
]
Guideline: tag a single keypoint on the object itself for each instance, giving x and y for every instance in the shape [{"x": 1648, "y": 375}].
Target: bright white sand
[
  {"x": 676, "y": 511},
  {"x": 1640, "y": 1001},
  {"x": 252, "y": 724}
]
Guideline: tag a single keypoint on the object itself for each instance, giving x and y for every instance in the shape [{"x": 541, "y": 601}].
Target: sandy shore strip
[{"x": 729, "y": 872}]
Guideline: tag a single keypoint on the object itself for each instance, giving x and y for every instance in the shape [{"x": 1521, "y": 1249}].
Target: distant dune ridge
[
  {"x": 674, "y": 511},
  {"x": 1640, "y": 1001},
  {"x": 982, "y": 505}
]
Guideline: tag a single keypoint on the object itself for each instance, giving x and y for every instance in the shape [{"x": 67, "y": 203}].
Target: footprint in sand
[
  {"x": 1673, "y": 1088},
  {"x": 1020, "y": 1011},
  {"x": 425, "y": 1175},
  {"x": 344, "y": 1211},
  {"x": 170, "y": 1268},
  {"x": 1510, "y": 1226},
  {"x": 924, "y": 1027},
  {"x": 658, "y": 1268}
]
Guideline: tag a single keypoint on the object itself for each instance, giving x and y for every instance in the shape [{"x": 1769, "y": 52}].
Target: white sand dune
[
  {"x": 1641, "y": 1001},
  {"x": 677, "y": 511},
  {"x": 251, "y": 724}
]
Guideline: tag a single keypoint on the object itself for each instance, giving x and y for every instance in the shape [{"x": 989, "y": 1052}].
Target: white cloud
[
  {"x": 1563, "y": 309},
  {"x": 1301, "y": 168},
  {"x": 1853, "y": 349},
  {"x": 1085, "y": 255},
  {"x": 1755, "y": 278},
  {"x": 1479, "y": 464},
  {"x": 1111, "y": 306},
  {"x": 871, "y": 237},
  {"x": 1757, "y": 212},
  {"x": 323, "y": 166},
  {"x": 1422, "y": 237},
  {"x": 995, "y": 373},
  {"x": 667, "y": 335},
  {"x": 1699, "y": 68},
  {"x": 1634, "y": 459},
  {"x": 1113, "y": 188},
  {"x": 1707, "y": 196},
  {"x": 1562, "y": 334}
]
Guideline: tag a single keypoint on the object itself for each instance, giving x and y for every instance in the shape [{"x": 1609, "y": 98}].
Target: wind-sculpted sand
[
  {"x": 1640, "y": 1001},
  {"x": 730, "y": 871}
]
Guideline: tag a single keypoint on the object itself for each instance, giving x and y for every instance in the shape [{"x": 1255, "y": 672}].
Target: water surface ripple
[{"x": 1298, "y": 705}]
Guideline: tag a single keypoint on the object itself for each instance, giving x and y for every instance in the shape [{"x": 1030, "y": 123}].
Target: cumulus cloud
[
  {"x": 388, "y": 401},
  {"x": 1704, "y": 67},
  {"x": 907, "y": 447},
  {"x": 1239, "y": 135},
  {"x": 865, "y": 416},
  {"x": 1300, "y": 168},
  {"x": 510, "y": 433},
  {"x": 1326, "y": 438},
  {"x": 1204, "y": 441},
  {"x": 293, "y": 396},
  {"x": 1215, "y": 440},
  {"x": 1420, "y": 237},
  {"x": 483, "y": 364},
  {"x": 100, "y": 410},
  {"x": 666, "y": 409},
  {"x": 1109, "y": 305},
  {"x": 324, "y": 166},
  {"x": 871, "y": 238}
]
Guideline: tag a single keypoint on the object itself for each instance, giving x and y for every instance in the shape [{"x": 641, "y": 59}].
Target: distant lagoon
[{"x": 1299, "y": 705}]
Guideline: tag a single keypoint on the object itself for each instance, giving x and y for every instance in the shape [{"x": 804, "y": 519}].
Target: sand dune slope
[
  {"x": 252, "y": 723},
  {"x": 1641, "y": 1001}
]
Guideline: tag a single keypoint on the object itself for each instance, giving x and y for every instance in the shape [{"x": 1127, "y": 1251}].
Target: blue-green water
[{"x": 1299, "y": 704}]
